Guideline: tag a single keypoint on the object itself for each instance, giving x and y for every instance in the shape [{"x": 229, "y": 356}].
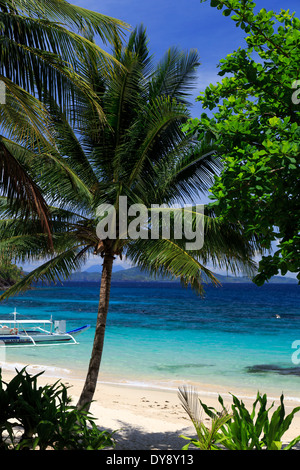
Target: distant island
[{"x": 137, "y": 275}]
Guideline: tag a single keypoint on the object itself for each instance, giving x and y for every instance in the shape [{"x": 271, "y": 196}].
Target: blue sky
[{"x": 187, "y": 25}]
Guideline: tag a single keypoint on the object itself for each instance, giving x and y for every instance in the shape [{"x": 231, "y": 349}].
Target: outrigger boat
[{"x": 15, "y": 332}]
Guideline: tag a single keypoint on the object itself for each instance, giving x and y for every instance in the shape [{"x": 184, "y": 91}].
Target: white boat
[{"x": 15, "y": 332}]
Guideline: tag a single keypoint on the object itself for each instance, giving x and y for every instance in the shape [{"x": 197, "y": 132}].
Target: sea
[{"x": 161, "y": 335}]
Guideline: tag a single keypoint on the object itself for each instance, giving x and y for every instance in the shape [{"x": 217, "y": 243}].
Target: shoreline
[
  {"x": 150, "y": 383},
  {"x": 150, "y": 417}
]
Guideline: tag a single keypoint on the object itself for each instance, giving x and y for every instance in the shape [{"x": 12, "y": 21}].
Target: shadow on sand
[{"x": 135, "y": 438}]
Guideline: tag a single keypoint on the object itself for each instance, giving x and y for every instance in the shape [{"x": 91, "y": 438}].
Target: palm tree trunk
[{"x": 92, "y": 375}]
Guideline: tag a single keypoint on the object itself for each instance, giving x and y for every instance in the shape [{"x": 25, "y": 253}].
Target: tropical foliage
[
  {"x": 35, "y": 417},
  {"x": 40, "y": 45},
  {"x": 142, "y": 154},
  {"x": 254, "y": 117},
  {"x": 238, "y": 429},
  {"x": 9, "y": 272}
]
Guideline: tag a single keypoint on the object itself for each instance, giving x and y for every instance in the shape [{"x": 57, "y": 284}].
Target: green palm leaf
[
  {"x": 23, "y": 117},
  {"x": 169, "y": 258},
  {"x": 162, "y": 129},
  {"x": 38, "y": 53},
  {"x": 175, "y": 75},
  {"x": 56, "y": 269},
  {"x": 71, "y": 15},
  {"x": 22, "y": 188}
]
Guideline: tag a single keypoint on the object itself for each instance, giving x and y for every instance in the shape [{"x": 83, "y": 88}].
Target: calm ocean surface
[{"x": 159, "y": 333}]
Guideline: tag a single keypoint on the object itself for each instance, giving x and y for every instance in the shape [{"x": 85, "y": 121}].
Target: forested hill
[
  {"x": 136, "y": 275},
  {"x": 9, "y": 274}
]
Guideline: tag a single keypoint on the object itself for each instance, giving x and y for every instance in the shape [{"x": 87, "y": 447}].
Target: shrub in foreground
[
  {"x": 39, "y": 418},
  {"x": 238, "y": 429}
]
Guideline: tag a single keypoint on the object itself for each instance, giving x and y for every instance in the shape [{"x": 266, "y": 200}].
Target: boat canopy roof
[
  {"x": 10, "y": 320},
  {"x": 15, "y": 321}
]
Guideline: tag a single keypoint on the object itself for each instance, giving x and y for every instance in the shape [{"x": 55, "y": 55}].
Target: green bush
[
  {"x": 9, "y": 272},
  {"x": 40, "y": 418},
  {"x": 239, "y": 429}
]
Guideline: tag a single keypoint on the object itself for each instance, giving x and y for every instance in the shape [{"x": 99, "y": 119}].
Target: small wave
[{"x": 35, "y": 368}]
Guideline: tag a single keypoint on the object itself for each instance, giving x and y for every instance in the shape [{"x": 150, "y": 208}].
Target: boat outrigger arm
[{"x": 33, "y": 332}]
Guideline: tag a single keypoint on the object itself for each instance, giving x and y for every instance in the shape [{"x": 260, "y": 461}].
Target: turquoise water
[{"x": 159, "y": 333}]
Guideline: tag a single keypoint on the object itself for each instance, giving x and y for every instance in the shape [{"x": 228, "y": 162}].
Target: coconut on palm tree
[{"x": 140, "y": 154}]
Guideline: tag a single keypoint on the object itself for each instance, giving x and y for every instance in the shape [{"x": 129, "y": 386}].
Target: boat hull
[{"x": 37, "y": 338}]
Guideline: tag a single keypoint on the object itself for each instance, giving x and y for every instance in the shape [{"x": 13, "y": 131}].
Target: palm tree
[
  {"x": 142, "y": 154},
  {"x": 39, "y": 48}
]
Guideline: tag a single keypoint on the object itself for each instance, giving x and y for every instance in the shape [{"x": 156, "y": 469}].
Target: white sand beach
[{"x": 153, "y": 419}]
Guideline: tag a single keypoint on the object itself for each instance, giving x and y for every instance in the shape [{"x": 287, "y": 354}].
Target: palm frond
[
  {"x": 19, "y": 186},
  {"x": 51, "y": 73},
  {"x": 209, "y": 437},
  {"x": 169, "y": 258},
  {"x": 47, "y": 167},
  {"x": 226, "y": 247},
  {"x": 185, "y": 174},
  {"x": 38, "y": 53},
  {"x": 23, "y": 117},
  {"x": 162, "y": 127},
  {"x": 71, "y": 15},
  {"x": 190, "y": 403},
  {"x": 56, "y": 269},
  {"x": 175, "y": 75},
  {"x": 193, "y": 172},
  {"x": 69, "y": 146}
]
